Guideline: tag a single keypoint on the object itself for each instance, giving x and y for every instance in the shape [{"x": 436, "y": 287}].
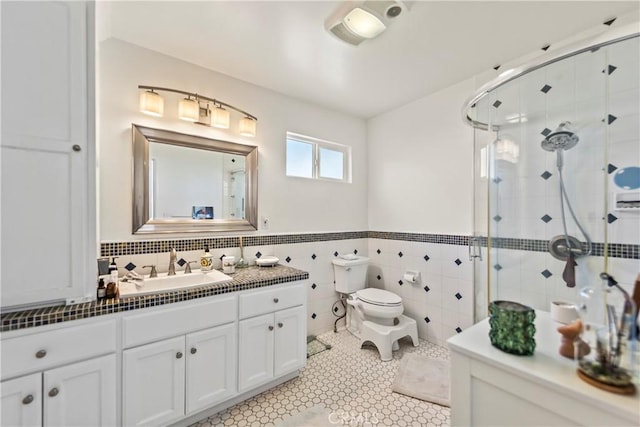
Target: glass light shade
[
  {"x": 363, "y": 23},
  {"x": 247, "y": 127},
  {"x": 220, "y": 118},
  {"x": 189, "y": 110},
  {"x": 151, "y": 103}
]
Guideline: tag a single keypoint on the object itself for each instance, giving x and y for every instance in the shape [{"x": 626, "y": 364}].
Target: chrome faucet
[{"x": 172, "y": 262}]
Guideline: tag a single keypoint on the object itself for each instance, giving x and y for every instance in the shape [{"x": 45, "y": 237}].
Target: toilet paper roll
[{"x": 411, "y": 277}]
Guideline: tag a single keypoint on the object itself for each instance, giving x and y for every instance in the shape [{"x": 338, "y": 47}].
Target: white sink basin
[{"x": 164, "y": 283}]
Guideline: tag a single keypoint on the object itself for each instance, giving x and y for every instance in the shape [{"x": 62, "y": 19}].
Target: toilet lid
[{"x": 379, "y": 297}]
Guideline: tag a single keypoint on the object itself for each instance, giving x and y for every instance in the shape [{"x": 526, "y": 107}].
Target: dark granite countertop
[{"x": 245, "y": 278}]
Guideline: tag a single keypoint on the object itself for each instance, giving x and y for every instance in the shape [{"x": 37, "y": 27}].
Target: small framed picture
[{"x": 202, "y": 212}]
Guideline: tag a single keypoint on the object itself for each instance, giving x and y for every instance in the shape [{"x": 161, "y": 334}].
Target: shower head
[{"x": 562, "y": 138}]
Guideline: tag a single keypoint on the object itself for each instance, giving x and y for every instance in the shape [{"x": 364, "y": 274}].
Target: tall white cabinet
[{"x": 47, "y": 151}]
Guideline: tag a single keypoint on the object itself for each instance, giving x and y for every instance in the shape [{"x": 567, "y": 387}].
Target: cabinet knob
[
  {"x": 28, "y": 399},
  {"x": 276, "y": 300},
  {"x": 194, "y": 350},
  {"x": 280, "y": 325},
  {"x": 271, "y": 327},
  {"x": 53, "y": 392},
  {"x": 76, "y": 147},
  {"x": 41, "y": 353},
  {"x": 179, "y": 355}
]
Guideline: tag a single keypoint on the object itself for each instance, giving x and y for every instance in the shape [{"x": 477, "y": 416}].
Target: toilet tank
[{"x": 350, "y": 273}]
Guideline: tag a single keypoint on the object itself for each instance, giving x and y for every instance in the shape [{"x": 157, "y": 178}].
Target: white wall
[
  {"x": 420, "y": 158},
  {"x": 292, "y": 205}
]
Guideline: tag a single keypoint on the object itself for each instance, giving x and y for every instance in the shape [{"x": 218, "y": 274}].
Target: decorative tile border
[
  {"x": 615, "y": 250},
  {"x": 243, "y": 279}
]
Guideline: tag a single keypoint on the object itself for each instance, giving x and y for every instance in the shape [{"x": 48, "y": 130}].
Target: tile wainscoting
[{"x": 442, "y": 302}]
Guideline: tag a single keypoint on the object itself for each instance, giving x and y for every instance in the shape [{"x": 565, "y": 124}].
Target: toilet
[{"x": 373, "y": 315}]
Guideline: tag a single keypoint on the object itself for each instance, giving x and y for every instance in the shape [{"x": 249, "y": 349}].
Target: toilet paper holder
[{"x": 411, "y": 276}]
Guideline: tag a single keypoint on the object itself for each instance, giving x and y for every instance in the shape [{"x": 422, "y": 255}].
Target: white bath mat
[
  {"x": 316, "y": 416},
  {"x": 423, "y": 378}
]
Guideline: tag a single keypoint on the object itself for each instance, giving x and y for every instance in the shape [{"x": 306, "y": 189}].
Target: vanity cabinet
[
  {"x": 272, "y": 334},
  {"x": 57, "y": 378},
  {"x": 163, "y": 381},
  {"x": 47, "y": 152}
]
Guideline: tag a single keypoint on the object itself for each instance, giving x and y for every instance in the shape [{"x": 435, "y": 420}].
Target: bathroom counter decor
[
  {"x": 512, "y": 328},
  {"x": 541, "y": 389},
  {"x": 243, "y": 279}
]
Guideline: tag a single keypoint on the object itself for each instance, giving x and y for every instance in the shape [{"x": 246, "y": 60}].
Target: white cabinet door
[
  {"x": 211, "y": 366},
  {"x": 22, "y": 401},
  {"x": 256, "y": 351},
  {"x": 46, "y": 183},
  {"x": 290, "y": 340},
  {"x": 153, "y": 383},
  {"x": 81, "y": 394}
]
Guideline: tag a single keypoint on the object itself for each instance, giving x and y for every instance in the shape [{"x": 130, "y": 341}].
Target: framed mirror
[{"x": 186, "y": 183}]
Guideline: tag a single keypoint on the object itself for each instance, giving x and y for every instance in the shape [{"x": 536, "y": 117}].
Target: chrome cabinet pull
[
  {"x": 276, "y": 300},
  {"x": 41, "y": 353},
  {"x": 28, "y": 399},
  {"x": 53, "y": 392},
  {"x": 179, "y": 355},
  {"x": 194, "y": 350},
  {"x": 280, "y": 325},
  {"x": 271, "y": 327}
]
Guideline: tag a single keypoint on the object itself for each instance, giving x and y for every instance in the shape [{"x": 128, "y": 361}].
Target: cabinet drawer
[
  {"x": 36, "y": 352},
  {"x": 169, "y": 322},
  {"x": 254, "y": 303}
]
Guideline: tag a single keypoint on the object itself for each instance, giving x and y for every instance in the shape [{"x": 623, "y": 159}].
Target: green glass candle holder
[{"x": 512, "y": 328}]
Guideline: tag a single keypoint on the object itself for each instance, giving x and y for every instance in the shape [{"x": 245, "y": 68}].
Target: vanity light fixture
[{"x": 197, "y": 108}]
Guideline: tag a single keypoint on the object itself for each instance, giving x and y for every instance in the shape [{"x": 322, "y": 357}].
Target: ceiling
[{"x": 283, "y": 46}]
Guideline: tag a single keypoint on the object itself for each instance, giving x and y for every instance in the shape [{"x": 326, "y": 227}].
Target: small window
[{"x": 317, "y": 159}]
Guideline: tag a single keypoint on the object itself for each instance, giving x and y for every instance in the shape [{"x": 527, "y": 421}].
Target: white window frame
[{"x": 317, "y": 145}]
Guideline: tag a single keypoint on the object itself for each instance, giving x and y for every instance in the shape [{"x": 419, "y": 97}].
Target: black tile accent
[
  {"x": 426, "y": 288},
  {"x": 288, "y": 259},
  {"x": 379, "y": 251},
  {"x": 497, "y": 180},
  {"x": 181, "y": 262},
  {"x": 545, "y": 47},
  {"x": 457, "y": 295},
  {"x": 546, "y": 218},
  {"x": 426, "y": 258},
  {"x": 497, "y": 218},
  {"x": 458, "y": 329},
  {"x": 335, "y": 253},
  {"x": 497, "y": 67},
  {"x": 258, "y": 254},
  {"x": 400, "y": 254},
  {"x": 222, "y": 256},
  {"x": 611, "y": 218},
  {"x": 426, "y": 319},
  {"x": 498, "y": 267},
  {"x": 546, "y": 131},
  {"x": 378, "y": 277},
  {"x": 457, "y": 261},
  {"x": 313, "y": 257},
  {"x": 335, "y": 309},
  {"x": 313, "y": 316},
  {"x": 611, "y": 118},
  {"x": 611, "y": 168},
  {"x": 546, "y": 273},
  {"x": 546, "y": 175},
  {"x": 610, "y": 69},
  {"x": 400, "y": 282},
  {"x": 355, "y": 252},
  {"x": 609, "y": 22},
  {"x": 545, "y": 88},
  {"x": 130, "y": 267},
  {"x": 314, "y": 286},
  {"x": 497, "y": 104}
]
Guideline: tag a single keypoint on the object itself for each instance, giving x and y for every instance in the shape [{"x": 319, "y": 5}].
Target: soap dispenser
[{"x": 206, "y": 260}]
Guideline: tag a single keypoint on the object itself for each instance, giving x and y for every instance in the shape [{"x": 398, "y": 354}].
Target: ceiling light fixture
[
  {"x": 196, "y": 108},
  {"x": 356, "y": 21}
]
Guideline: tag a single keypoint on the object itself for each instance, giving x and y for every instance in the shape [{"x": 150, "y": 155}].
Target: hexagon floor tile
[{"x": 353, "y": 384}]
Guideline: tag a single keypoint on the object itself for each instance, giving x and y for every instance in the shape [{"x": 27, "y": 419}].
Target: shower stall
[{"x": 550, "y": 139}]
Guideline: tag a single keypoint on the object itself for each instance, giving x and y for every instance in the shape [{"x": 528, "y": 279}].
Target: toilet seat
[{"x": 379, "y": 297}]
